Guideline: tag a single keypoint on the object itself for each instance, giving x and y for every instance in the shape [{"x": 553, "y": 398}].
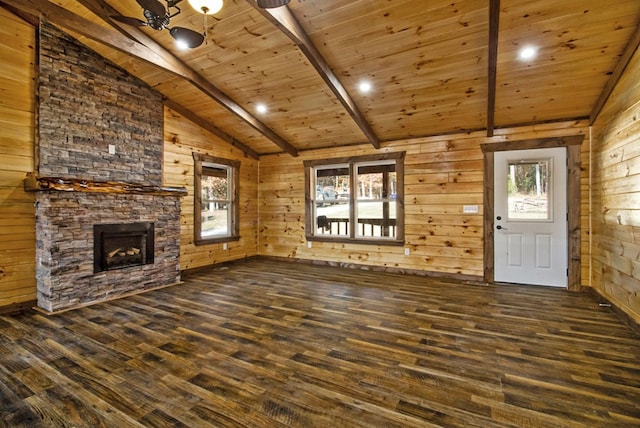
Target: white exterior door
[{"x": 530, "y": 224}]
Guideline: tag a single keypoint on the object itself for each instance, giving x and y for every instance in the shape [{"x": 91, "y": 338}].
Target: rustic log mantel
[{"x": 34, "y": 183}]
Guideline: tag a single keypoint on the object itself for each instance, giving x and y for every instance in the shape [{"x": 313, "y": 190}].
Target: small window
[
  {"x": 216, "y": 215},
  {"x": 529, "y": 190},
  {"x": 356, "y": 199}
]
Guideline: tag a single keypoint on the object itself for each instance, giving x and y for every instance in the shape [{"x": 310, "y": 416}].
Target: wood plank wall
[
  {"x": 17, "y": 118},
  {"x": 441, "y": 175},
  {"x": 181, "y": 138},
  {"x": 616, "y": 195}
]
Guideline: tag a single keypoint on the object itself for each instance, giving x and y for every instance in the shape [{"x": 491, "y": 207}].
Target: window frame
[
  {"x": 352, "y": 161},
  {"x": 200, "y": 161}
]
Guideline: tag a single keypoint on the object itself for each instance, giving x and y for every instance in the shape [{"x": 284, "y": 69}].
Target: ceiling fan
[
  {"x": 268, "y": 4},
  {"x": 158, "y": 17}
]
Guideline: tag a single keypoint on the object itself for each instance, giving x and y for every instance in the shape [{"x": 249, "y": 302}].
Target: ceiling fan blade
[
  {"x": 268, "y": 4},
  {"x": 129, "y": 20},
  {"x": 153, "y": 6},
  {"x": 191, "y": 38}
]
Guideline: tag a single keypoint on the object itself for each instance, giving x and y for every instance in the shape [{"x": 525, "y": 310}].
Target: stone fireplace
[{"x": 105, "y": 225}]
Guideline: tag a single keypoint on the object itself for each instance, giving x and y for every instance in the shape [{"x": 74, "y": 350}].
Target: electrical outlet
[
  {"x": 112, "y": 149},
  {"x": 407, "y": 252},
  {"x": 309, "y": 244},
  {"x": 225, "y": 246}
]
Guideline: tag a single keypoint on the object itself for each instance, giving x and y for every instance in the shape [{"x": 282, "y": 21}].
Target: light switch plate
[
  {"x": 112, "y": 149},
  {"x": 470, "y": 209}
]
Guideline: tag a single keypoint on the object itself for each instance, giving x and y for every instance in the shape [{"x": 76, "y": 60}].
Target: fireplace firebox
[{"x": 117, "y": 246}]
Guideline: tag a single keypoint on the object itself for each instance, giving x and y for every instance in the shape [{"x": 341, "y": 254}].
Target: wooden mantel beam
[
  {"x": 157, "y": 56},
  {"x": 282, "y": 18}
]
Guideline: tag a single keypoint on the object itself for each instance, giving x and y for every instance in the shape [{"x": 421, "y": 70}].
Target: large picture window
[
  {"x": 356, "y": 199},
  {"x": 216, "y": 215}
]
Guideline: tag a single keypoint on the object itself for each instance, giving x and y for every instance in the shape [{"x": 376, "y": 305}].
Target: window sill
[
  {"x": 219, "y": 240},
  {"x": 361, "y": 241}
]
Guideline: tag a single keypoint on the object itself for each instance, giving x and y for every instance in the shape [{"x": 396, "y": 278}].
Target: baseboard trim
[
  {"x": 626, "y": 318},
  {"x": 466, "y": 279},
  {"x": 17, "y": 308}
]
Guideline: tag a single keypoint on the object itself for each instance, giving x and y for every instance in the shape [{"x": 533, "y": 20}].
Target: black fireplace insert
[{"x": 117, "y": 246}]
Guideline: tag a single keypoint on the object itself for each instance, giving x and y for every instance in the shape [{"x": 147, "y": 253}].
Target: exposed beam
[
  {"x": 157, "y": 56},
  {"x": 282, "y": 18},
  {"x": 27, "y": 17},
  {"x": 494, "y": 26},
  {"x": 631, "y": 48},
  {"x": 212, "y": 129}
]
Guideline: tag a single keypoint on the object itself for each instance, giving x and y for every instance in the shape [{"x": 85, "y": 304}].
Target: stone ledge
[{"x": 34, "y": 183}]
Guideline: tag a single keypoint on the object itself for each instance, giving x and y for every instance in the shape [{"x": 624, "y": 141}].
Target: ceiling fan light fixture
[
  {"x": 186, "y": 38},
  {"x": 206, "y": 7},
  {"x": 268, "y": 4}
]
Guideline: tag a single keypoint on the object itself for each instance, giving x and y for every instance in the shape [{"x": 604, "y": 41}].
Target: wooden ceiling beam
[
  {"x": 494, "y": 26},
  {"x": 203, "y": 123},
  {"x": 157, "y": 56},
  {"x": 630, "y": 49},
  {"x": 27, "y": 17},
  {"x": 282, "y": 18}
]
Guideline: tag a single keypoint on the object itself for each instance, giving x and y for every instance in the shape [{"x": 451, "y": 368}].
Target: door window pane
[{"x": 529, "y": 190}]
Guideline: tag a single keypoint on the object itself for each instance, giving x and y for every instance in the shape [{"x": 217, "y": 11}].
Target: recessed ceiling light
[
  {"x": 261, "y": 108},
  {"x": 364, "y": 87},
  {"x": 527, "y": 53}
]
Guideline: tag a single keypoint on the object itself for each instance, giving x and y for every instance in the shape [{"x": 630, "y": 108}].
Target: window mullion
[{"x": 353, "y": 169}]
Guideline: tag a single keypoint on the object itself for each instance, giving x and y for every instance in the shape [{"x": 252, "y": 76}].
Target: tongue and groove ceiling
[{"x": 435, "y": 67}]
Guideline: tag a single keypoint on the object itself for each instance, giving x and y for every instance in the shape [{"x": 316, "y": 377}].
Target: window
[
  {"x": 216, "y": 215},
  {"x": 528, "y": 190},
  {"x": 356, "y": 199}
]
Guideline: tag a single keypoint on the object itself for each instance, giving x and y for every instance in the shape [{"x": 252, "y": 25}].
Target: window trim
[
  {"x": 309, "y": 181},
  {"x": 234, "y": 192}
]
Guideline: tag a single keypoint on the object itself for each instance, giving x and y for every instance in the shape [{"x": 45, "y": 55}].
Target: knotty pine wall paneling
[
  {"x": 181, "y": 138},
  {"x": 616, "y": 195},
  {"x": 441, "y": 175},
  {"x": 17, "y": 119}
]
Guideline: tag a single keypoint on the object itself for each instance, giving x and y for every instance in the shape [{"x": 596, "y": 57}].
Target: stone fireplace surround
[
  {"x": 87, "y": 107},
  {"x": 64, "y": 246}
]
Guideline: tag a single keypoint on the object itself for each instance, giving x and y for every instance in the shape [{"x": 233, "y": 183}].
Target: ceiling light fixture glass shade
[
  {"x": 208, "y": 7},
  {"x": 268, "y": 4}
]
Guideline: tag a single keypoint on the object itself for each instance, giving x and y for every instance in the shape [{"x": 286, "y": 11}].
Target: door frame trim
[{"x": 573, "y": 144}]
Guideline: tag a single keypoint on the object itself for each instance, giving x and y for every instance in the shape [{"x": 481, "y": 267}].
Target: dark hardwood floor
[{"x": 271, "y": 344}]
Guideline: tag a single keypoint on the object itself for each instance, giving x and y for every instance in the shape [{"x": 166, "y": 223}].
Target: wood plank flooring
[{"x": 262, "y": 343}]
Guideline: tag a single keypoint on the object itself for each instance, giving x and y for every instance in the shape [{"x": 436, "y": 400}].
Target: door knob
[{"x": 500, "y": 227}]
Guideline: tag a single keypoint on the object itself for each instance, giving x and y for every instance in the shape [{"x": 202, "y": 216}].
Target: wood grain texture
[
  {"x": 17, "y": 135},
  {"x": 442, "y": 174},
  {"x": 616, "y": 195},
  {"x": 433, "y": 68},
  {"x": 274, "y": 344},
  {"x": 182, "y": 138}
]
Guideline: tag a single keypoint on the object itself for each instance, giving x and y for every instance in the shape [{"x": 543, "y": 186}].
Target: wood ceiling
[{"x": 437, "y": 67}]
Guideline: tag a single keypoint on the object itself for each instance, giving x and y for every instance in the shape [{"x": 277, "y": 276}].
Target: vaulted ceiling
[{"x": 436, "y": 67}]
